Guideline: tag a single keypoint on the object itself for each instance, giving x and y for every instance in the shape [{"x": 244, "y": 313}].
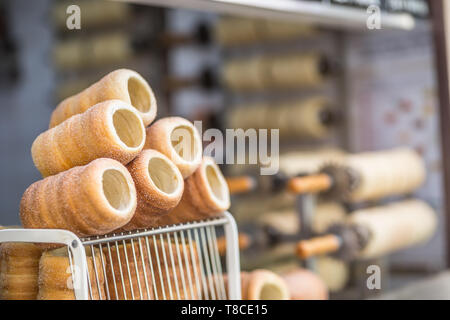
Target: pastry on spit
[
  {"x": 179, "y": 140},
  {"x": 88, "y": 200},
  {"x": 111, "y": 129},
  {"x": 122, "y": 84},
  {"x": 205, "y": 195},
  {"x": 55, "y": 276},
  {"x": 19, "y": 266},
  {"x": 159, "y": 187}
]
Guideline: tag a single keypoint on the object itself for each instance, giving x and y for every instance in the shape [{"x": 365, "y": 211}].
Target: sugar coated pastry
[
  {"x": 179, "y": 140},
  {"x": 19, "y": 265},
  {"x": 122, "y": 84},
  {"x": 88, "y": 200},
  {"x": 159, "y": 187},
  {"x": 205, "y": 195},
  {"x": 55, "y": 276},
  {"x": 111, "y": 129}
]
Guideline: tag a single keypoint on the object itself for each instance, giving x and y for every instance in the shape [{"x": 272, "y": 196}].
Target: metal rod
[
  {"x": 166, "y": 266},
  {"x": 207, "y": 263},
  {"x": 136, "y": 267},
  {"x": 140, "y": 233},
  {"x": 177, "y": 288},
  {"x": 219, "y": 264},
  {"x": 202, "y": 268},
  {"x": 188, "y": 268},
  {"x": 94, "y": 262},
  {"x": 150, "y": 262},
  {"x": 102, "y": 258}
]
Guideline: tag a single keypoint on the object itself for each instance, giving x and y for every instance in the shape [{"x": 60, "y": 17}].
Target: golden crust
[
  {"x": 155, "y": 196},
  {"x": 205, "y": 195},
  {"x": 19, "y": 271},
  {"x": 115, "y": 85},
  {"x": 55, "y": 273},
  {"x": 163, "y": 135},
  {"x": 110, "y": 129},
  {"x": 75, "y": 200}
]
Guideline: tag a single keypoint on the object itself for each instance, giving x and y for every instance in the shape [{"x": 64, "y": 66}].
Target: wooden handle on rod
[
  {"x": 309, "y": 184},
  {"x": 240, "y": 184},
  {"x": 317, "y": 246},
  {"x": 243, "y": 240}
]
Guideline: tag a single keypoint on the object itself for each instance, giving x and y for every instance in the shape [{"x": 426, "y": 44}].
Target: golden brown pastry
[
  {"x": 19, "y": 265},
  {"x": 263, "y": 285},
  {"x": 55, "y": 276},
  {"x": 159, "y": 187},
  {"x": 122, "y": 84},
  {"x": 111, "y": 129},
  {"x": 305, "y": 285},
  {"x": 205, "y": 195},
  {"x": 135, "y": 285},
  {"x": 90, "y": 200},
  {"x": 179, "y": 140}
]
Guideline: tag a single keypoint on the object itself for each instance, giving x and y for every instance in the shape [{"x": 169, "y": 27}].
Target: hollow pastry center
[
  {"x": 215, "y": 183},
  {"x": 139, "y": 95},
  {"x": 116, "y": 189},
  {"x": 270, "y": 291},
  {"x": 184, "y": 142},
  {"x": 128, "y": 127},
  {"x": 163, "y": 175}
]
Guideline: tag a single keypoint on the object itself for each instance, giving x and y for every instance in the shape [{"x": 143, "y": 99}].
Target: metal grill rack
[{"x": 174, "y": 262}]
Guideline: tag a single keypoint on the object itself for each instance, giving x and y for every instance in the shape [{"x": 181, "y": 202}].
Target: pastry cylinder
[
  {"x": 263, "y": 285},
  {"x": 89, "y": 200},
  {"x": 19, "y": 271},
  {"x": 386, "y": 173},
  {"x": 179, "y": 140},
  {"x": 205, "y": 195},
  {"x": 395, "y": 226},
  {"x": 55, "y": 276},
  {"x": 159, "y": 186},
  {"x": 122, "y": 84},
  {"x": 110, "y": 129}
]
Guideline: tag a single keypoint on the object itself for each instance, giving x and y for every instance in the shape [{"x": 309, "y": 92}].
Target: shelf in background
[{"x": 302, "y": 11}]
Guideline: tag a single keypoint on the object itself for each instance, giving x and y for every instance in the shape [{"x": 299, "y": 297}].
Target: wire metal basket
[{"x": 174, "y": 262}]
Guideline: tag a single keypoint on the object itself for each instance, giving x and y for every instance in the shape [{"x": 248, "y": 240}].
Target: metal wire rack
[{"x": 174, "y": 262}]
